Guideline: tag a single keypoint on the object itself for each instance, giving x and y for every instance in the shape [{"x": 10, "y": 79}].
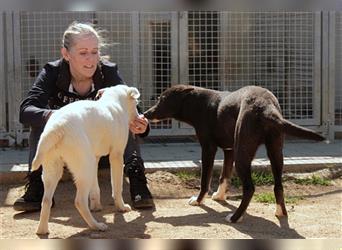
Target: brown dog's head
[{"x": 169, "y": 103}]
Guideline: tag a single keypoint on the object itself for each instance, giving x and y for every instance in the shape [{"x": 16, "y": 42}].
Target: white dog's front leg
[
  {"x": 81, "y": 203},
  {"x": 95, "y": 203},
  {"x": 116, "y": 165}
]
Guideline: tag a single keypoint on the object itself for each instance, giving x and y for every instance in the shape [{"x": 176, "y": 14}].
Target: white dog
[{"x": 77, "y": 135}]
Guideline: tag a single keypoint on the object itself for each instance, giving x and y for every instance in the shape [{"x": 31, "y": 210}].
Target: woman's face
[{"x": 83, "y": 56}]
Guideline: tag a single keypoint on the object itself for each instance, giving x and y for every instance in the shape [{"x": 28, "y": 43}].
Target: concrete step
[{"x": 298, "y": 157}]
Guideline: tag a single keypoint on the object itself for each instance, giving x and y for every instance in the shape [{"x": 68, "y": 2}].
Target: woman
[{"x": 77, "y": 76}]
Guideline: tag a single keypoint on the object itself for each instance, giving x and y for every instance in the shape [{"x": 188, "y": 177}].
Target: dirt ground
[{"x": 316, "y": 215}]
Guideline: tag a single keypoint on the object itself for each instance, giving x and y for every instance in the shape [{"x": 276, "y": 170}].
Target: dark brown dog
[{"x": 238, "y": 122}]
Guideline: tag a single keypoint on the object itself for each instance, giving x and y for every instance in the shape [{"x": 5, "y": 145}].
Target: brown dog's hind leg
[
  {"x": 243, "y": 169},
  {"x": 274, "y": 146},
  {"x": 246, "y": 142},
  {"x": 226, "y": 172}
]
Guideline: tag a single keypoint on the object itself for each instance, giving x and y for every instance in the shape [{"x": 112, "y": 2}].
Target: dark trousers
[{"x": 132, "y": 148}]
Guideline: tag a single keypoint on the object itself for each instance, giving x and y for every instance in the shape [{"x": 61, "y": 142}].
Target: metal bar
[
  {"x": 184, "y": 63},
  {"x": 3, "y": 101},
  {"x": 338, "y": 73},
  {"x": 174, "y": 58},
  {"x": 17, "y": 85},
  {"x": 183, "y": 48},
  {"x": 174, "y": 47},
  {"x": 326, "y": 88},
  {"x": 136, "y": 50},
  {"x": 325, "y": 71},
  {"x": 331, "y": 83},
  {"x": 222, "y": 49},
  {"x": 317, "y": 71},
  {"x": 10, "y": 42}
]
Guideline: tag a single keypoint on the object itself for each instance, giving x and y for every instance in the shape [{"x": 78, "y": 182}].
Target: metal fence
[
  {"x": 279, "y": 51},
  {"x": 282, "y": 51}
]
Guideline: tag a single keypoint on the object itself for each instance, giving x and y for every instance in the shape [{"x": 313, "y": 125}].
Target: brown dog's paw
[
  {"x": 218, "y": 196},
  {"x": 193, "y": 201},
  {"x": 280, "y": 211},
  {"x": 230, "y": 215}
]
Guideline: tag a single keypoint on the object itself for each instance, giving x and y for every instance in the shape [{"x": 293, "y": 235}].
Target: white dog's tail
[{"x": 47, "y": 141}]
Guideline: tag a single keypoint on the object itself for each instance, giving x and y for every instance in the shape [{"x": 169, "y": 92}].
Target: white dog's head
[{"x": 123, "y": 94}]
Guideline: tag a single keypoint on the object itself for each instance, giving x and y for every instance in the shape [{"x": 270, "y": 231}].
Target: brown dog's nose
[{"x": 147, "y": 114}]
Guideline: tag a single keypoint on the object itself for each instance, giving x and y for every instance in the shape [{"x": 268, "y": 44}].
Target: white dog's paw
[
  {"x": 42, "y": 230},
  {"x": 230, "y": 215},
  {"x": 218, "y": 197},
  {"x": 193, "y": 201},
  {"x": 124, "y": 208},
  {"x": 101, "y": 226}
]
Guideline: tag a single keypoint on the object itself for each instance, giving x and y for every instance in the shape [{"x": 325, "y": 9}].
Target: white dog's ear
[{"x": 134, "y": 92}]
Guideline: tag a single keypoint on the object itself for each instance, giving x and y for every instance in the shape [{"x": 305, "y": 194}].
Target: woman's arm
[{"x": 34, "y": 109}]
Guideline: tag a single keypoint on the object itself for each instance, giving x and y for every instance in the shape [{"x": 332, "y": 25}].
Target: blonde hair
[{"x": 78, "y": 29}]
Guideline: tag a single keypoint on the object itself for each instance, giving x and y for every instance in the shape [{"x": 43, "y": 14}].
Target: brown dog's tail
[{"x": 298, "y": 131}]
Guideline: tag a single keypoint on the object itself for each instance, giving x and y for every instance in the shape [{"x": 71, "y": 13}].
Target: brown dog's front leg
[{"x": 208, "y": 156}]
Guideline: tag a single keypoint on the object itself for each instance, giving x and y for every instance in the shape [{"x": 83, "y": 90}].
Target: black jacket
[{"x": 51, "y": 90}]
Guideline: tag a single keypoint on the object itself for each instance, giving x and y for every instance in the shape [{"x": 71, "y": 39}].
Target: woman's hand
[{"x": 138, "y": 125}]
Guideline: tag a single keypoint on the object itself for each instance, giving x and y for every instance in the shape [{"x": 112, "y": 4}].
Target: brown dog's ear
[
  {"x": 183, "y": 87},
  {"x": 187, "y": 89}
]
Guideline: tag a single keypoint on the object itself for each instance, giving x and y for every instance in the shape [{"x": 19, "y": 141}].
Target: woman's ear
[{"x": 65, "y": 54}]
